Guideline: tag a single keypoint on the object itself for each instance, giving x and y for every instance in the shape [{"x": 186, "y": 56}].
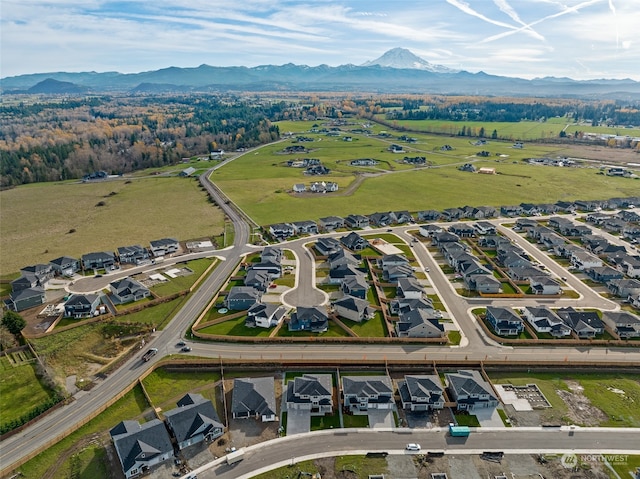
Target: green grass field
[
  {"x": 156, "y": 316},
  {"x": 165, "y": 388},
  {"x": 182, "y": 283},
  {"x": 235, "y": 327},
  {"x": 20, "y": 390},
  {"x": 39, "y": 217}
]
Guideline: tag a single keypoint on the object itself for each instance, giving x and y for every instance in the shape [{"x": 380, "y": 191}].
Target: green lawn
[
  {"x": 334, "y": 331},
  {"x": 350, "y": 420},
  {"x": 454, "y": 338},
  {"x": 467, "y": 420},
  {"x": 165, "y": 388},
  {"x": 20, "y": 389},
  {"x": 88, "y": 463},
  {"x": 373, "y": 328},
  {"x": 71, "y": 206},
  {"x": 362, "y": 466},
  {"x": 131, "y": 406},
  {"x": 235, "y": 327},
  {"x": 325, "y": 422},
  {"x": 156, "y": 316},
  {"x": 294, "y": 470}
]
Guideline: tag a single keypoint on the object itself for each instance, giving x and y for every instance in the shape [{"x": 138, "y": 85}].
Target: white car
[{"x": 413, "y": 447}]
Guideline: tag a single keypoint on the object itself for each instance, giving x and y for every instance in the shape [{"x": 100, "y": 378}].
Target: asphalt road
[
  {"x": 475, "y": 346},
  {"x": 293, "y": 449}
]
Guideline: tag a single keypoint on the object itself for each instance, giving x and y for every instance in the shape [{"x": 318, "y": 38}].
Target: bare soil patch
[{"x": 580, "y": 409}]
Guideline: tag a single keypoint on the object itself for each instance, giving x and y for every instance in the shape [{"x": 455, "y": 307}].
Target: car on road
[
  {"x": 426, "y": 270},
  {"x": 179, "y": 344},
  {"x": 413, "y": 447},
  {"x": 186, "y": 349},
  {"x": 389, "y": 230}
]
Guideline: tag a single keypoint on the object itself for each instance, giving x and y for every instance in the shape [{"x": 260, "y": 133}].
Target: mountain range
[{"x": 397, "y": 71}]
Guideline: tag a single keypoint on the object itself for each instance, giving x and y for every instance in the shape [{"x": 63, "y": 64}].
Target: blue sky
[{"x": 581, "y": 39}]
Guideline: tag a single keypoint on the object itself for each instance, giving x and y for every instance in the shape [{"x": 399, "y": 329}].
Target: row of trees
[{"x": 60, "y": 140}]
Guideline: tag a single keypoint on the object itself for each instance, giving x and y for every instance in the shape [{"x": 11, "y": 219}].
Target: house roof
[
  {"x": 163, "y": 242},
  {"x": 98, "y": 256},
  {"x": 194, "y": 415},
  {"x": 300, "y": 389},
  {"x": 416, "y": 318},
  {"x": 81, "y": 299},
  {"x": 421, "y": 386},
  {"x": 26, "y": 294},
  {"x": 135, "y": 441},
  {"x": 243, "y": 293},
  {"x": 63, "y": 260},
  {"x": 468, "y": 382},
  {"x": 353, "y": 304},
  {"x": 367, "y": 386},
  {"x": 127, "y": 286},
  {"x": 254, "y": 396},
  {"x": 409, "y": 285}
]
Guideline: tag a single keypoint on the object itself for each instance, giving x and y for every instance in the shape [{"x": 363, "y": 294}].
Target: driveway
[
  {"x": 298, "y": 422},
  {"x": 380, "y": 419},
  {"x": 488, "y": 417}
]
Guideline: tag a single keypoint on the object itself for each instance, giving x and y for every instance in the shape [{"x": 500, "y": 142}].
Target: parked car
[{"x": 413, "y": 447}]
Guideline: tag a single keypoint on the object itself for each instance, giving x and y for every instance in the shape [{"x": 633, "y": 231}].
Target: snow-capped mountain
[{"x": 403, "y": 58}]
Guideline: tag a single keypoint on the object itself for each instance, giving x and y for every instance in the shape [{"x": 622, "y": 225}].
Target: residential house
[
  {"x": 132, "y": 254},
  {"x": 356, "y": 221},
  {"x": 141, "y": 446},
  {"x": 311, "y": 392},
  {"x": 100, "y": 260},
  {"x": 470, "y": 391},
  {"x": 311, "y": 319},
  {"x": 429, "y": 230},
  {"x": 65, "y": 266},
  {"x": 242, "y": 297},
  {"x": 544, "y": 320},
  {"x": 299, "y": 188},
  {"x": 363, "y": 393},
  {"x": 583, "y": 260},
  {"x": 586, "y": 324},
  {"x": 418, "y": 323},
  {"x": 282, "y": 231},
  {"x": 363, "y": 162},
  {"x": 25, "y": 298},
  {"x": 269, "y": 266},
  {"x": 530, "y": 209},
  {"x": 354, "y": 242},
  {"x": 392, "y": 273},
  {"x": 421, "y": 392},
  {"x": 194, "y": 420},
  {"x": 81, "y": 305},
  {"x": 342, "y": 257},
  {"x": 259, "y": 279},
  {"x": 623, "y": 287},
  {"x": 439, "y": 239},
  {"x": 305, "y": 227},
  {"x": 511, "y": 211},
  {"x": 380, "y": 219},
  {"x": 463, "y": 230},
  {"x": 127, "y": 290},
  {"x": 42, "y": 272},
  {"x": 26, "y": 281},
  {"x": 409, "y": 288},
  {"x": 327, "y": 245},
  {"x": 604, "y": 274},
  {"x": 331, "y": 223},
  {"x": 483, "y": 283},
  {"x": 341, "y": 272},
  {"x": 164, "y": 247},
  {"x": 271, "y": 254},
  {"x": 452, "y": 214},
  {"x": 355, "y": 285},
  {"x": 254, "y": 398},
  {"x": 504, "y": 321},
  {"x": 523, "y": 224},
  {"x": 631, "y": 266},
  {"x": 402, "y": 305},
  {"x": 352, "y": 308},
  {"x": 402, "y": 217},
  {"x": 264, "y": 315},
  {"x": 187, "y": 172},
  {"x": 429, "y": 215},
  {"x": 544, "y": 284},
  {"x": 484, "y": 228},
  {"x": 625, "y": 324}
]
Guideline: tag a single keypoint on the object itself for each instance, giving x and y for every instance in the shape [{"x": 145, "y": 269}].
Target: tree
[
  {"x": 494, "y": 135},
  {"x": 13, "y": 322}
]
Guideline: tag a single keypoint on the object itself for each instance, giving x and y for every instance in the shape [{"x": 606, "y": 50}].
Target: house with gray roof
[
  {"x": 331, "y": 223},
  {"x": 141, "y": 446},
  {"x": 254, "y": 398},
  {"x": 327, "y": 245},
  {"x": 134, "y": 254},
  {"x": 362, "y": 393},
  {"x": 312, "y": 319},
  {"x": 470, "y": 390},
  {"x": 242, "y": 297},
  {"x": 194, "y": 420},
  {"x": 98, "y": 260},
  {"x": 398, "y": 305},
  {"x": 625, "y": 324},
  {"x": 25, "y": 299},
  {"x": 504, "y": 321},
  {"x": 65, "y": 265},
  {"x": 259, "y": 279},
  {"x": 544, "y": 284},
  {"x": 483, "y": 283},
  {"x": 164, "y": 247},
  {"x": 264, "y": 315},
  {"x": 544, "y": 320},
  {"x": 393, "y": 273},
  {"x": 305, "y": 227},
  {"x": 354, "y": 242},
  {"x": 311, "y": 392},
  {"x": 81, "y": 305},
  {"x": 586, "y": 324},
  {"x": 342, "y": 257},
  {"x": 356, "y": 221},
  {"x": 42, "y": 272},
  {"x": 421, "y": 392},
  {"x": 355, "y": 285},
  {"x": 419, "y": 323},
  {"x": 26, "y": 281},
  {"x": 353, "y": 308},
  {"x": 127, "y": 290},
  {"x": 409, "y": 288}
]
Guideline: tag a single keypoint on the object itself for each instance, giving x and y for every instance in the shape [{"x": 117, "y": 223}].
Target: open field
[
  {"x": 165, "y": 388},
  {"x": 39, "y": 217},
  {"x": 182, "y": 283},
  {"x": 260, "y": 182},
  {"x": 20, "y": 390}
]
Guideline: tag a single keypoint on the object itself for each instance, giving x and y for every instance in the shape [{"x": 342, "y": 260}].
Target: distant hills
[{"x": 397, "y": 71}]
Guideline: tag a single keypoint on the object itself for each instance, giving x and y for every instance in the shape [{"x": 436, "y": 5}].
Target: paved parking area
[
  {"x": 489, "y": 417},
  {"x": 298, "y": 422},
  {"x": 380, "y": 419}
]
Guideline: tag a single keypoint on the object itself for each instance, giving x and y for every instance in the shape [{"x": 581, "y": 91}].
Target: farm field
[{"x": 39, "y": 217}]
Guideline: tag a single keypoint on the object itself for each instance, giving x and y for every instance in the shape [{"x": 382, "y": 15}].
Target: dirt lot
[
  {"x": 600, "y": 153},
  {"x": 581, "y": 411}
]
